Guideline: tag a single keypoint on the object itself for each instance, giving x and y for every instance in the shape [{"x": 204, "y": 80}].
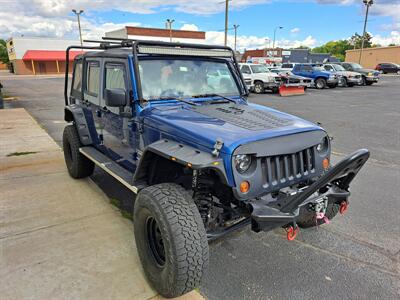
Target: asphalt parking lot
[{"x": 357, "y": 256}]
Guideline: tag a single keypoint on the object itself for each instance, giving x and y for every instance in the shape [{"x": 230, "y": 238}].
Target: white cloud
[
  {"x": 295, "y": 30},
  {"x": 191, "y": 27},
  {"x": 255, "y": 42},
  {"x": 393, "y": 38}
]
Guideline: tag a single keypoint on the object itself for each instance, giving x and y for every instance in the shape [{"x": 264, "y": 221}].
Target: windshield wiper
[
  {"x": 176, "y": 98},
  {"x": 213, "y": 95}
]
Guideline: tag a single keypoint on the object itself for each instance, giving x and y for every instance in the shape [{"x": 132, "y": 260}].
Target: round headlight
[
  {"x": 323, "y": 146},
  {"x": 242, "y": 162}
]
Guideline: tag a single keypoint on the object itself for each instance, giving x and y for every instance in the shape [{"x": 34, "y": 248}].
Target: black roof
[{"x": 117, "y": 52}]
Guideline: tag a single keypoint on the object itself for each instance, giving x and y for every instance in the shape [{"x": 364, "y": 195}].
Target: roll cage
[{"x": 157, "y": 48}]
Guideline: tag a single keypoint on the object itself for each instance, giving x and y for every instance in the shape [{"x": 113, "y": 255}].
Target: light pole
[
  {"x": 235, "y": 26},
  {"x": 79, "y": 23},
  {"x": 226, "y": 21},
  {"x": 169, "y": 22},
  {"x": 367, "y": 3},
  {"x": 276, "y": 28}
]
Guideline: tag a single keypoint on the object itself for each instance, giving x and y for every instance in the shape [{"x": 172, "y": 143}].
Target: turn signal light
[
  {"x": 244, "y": 187},
  {"x": 325, "y": 163}
]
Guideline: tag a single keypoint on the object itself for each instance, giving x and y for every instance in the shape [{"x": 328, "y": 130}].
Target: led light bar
[{"x": 183, "y": 51}]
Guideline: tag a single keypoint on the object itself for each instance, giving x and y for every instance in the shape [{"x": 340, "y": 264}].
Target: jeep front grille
[{"x": 282, "y": 168}]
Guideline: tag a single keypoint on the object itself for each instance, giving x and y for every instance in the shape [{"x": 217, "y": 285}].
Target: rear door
[{"x": 117, "y": 122}]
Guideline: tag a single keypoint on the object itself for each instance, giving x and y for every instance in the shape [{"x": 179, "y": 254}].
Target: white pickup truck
[{"x": 262, "y": 79}]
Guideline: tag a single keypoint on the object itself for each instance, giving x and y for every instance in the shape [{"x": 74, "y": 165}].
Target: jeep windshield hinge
[{"x": 217, "y": 147}]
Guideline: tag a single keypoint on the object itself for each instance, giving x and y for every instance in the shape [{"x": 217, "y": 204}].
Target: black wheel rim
[{"x": 155, "y": 241}]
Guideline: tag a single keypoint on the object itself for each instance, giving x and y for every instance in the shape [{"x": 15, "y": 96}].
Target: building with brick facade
[
  {"x": 35, "y": 56},
  {"x": 372, "y": 56},
  {"x": 159, "y": 34}
]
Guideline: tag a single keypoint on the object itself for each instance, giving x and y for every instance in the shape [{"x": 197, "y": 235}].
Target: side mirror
[{"x": 115, "y": 97}]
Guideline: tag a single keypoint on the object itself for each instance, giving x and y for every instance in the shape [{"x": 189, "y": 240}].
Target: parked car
[
  {"x": 388, "y": 68},
  {"x": 320, "y": 77},
  {"x": 200, "y": 160},
  {"x": 368, "y": 76},
  {"x": 288, "y": 66},
  {"x": 348, "y": 78},
  {"x": 262, "y": 78}
]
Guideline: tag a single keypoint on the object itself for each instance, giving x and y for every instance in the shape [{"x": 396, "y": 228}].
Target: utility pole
[
  {"x": 226, "y": 21},
  {"x": 276, "y": 28},
  {"x": 235, "y": 26},
  {"x": 368, "y": 3},
  {"x": 169, "y": 22},
  {"x": 79, "y": 23}
]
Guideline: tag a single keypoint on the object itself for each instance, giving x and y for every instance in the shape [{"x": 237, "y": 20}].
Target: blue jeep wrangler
[
  {"x": 171, "y": 123},
  {"x": 319, "y": 75}
]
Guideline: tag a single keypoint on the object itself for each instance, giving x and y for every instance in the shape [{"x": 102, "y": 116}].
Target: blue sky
[
  {"x": 324, "y": 22},
  {"x": 305, "y": 22}
]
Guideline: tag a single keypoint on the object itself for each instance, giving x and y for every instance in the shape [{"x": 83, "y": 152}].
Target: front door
[{"x": 117, "y": 128}]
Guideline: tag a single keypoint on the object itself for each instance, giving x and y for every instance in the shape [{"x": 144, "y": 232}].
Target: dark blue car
[
  {"x": 320, "y": 77},
  {"x": 172, "y": 123}
]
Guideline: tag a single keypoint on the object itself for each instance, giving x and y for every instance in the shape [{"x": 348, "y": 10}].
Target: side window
[
  {"x": 306, "y": 68},
  {"x": 245, "y": 69},
  {"x": 114, "y": 76},
  {"x": 328, "y": 68},
  {"x": 93, "y": 78},
  {"x": 77, "y": 84}
]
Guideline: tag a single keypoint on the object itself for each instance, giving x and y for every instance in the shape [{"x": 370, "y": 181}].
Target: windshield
[
  {"x": 356, "y": 66},
  {"x": 259, "y": 69},
  {"x": 339, "y": 68},
  {"x": 169, "y": 78}
]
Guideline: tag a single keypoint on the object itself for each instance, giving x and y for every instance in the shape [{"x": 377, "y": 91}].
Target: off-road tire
[
  {"x": 184, "y": 240},
  {"x": 78, "y": 165},
  {"x": 258, "y": 87},
  {"x": 308, "y": 219},
  {"x": 345, "y": 82},
  {"x": 320, "y": 83}
]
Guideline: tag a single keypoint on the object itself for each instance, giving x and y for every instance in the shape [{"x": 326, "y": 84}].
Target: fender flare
[
  {"x": 182, "y": 154},
  {"x": 81, "y": 119}
]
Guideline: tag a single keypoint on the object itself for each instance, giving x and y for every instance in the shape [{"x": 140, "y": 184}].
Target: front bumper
[
  {"x": 333, "y": 81},
  {"x": 355, "y": 80},
  {"x": 372, "y": 78},
  {"x": 333, "y": 185},
  {"x": 271, "y": 85}
]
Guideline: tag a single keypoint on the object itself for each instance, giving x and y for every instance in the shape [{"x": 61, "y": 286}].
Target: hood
[
  {"x": 234, "y": 124},
  {"x": 365, "y": 71},
  {"x": 347, "y": 73}
]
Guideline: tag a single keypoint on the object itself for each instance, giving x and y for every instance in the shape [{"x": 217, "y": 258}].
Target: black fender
[
  {"x": 81, "y": 119},
  {"x": 184, "y": 155}
]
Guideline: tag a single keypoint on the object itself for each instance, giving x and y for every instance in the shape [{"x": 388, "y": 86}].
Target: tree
[
  {"x": 335, "y": 48},
  {"x": 356, "y": 40},
  {"x": 3, "y": 52},
  {"x": 302, "y": 47}
]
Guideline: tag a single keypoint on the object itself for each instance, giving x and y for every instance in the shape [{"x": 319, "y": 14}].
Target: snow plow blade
[{"x": 285, "y": 90}]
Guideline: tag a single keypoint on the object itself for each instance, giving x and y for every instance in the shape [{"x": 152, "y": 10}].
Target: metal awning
[{"x": 49, "y": 55}]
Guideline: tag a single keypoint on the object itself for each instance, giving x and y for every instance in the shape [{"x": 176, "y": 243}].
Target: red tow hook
[
  {"x": 344, "y": 205},
  {"x": 291, "y": 232}
]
